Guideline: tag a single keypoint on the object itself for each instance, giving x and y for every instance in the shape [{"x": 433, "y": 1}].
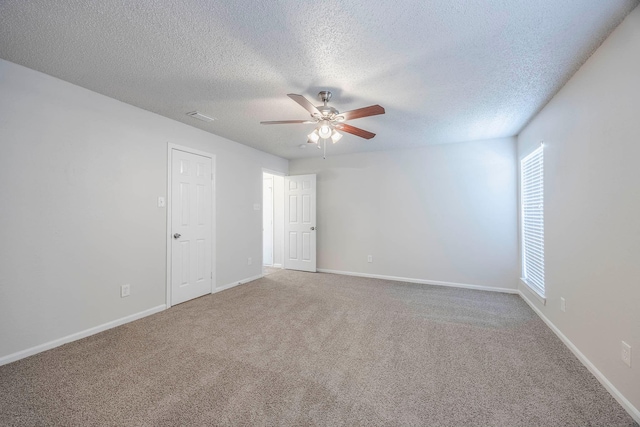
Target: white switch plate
[
  {"x": 249, "y": 261},
  {"x": 161, "y": 203},
  {"x": 125, "y": 290},
  {"x": 369, "y": 258},
  {"x": 563, "y": 304},
  {"x": 626, "y": 354}
]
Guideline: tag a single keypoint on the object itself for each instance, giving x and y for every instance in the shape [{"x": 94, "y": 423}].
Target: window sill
[{"x": 534, "y": 292}]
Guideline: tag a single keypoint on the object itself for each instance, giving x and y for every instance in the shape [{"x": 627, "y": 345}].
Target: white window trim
[
  {"x": 533, "y": 291},
  {"x": 538, "y": 293}
]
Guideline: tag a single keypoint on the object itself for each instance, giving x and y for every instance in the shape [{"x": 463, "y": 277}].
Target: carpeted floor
[
  {"x": 267, "y": 270},
  {"x": 298, "y": 348}
]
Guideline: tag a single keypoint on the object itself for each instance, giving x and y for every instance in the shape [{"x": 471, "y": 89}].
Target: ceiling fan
[{"x": 328, "y": 120}]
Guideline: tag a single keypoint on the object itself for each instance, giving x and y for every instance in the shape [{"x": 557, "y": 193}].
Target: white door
[
  {"x": 191, "y": 225},
  {"x": 267, "y": 220},
  {"x": 300, "y": 222}
]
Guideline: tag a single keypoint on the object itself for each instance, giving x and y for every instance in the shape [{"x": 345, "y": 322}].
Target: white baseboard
[
  {"x": 277, "y": 265},
  {"x": 421, "y": 281},
  {"x": 239, "y": 282},
  {"x": 78, "y": 335},
  {"x": 632, "y": 410}
]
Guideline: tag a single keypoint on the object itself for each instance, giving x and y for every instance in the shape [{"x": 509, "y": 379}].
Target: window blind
[{"x": 532, "y": 200}]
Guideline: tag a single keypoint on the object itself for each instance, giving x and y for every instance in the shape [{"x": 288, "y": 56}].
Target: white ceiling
[{"x": 445, "y": 71}]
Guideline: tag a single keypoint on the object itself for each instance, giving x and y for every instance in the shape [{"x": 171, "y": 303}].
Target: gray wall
[
  {"x": 442, "y": 213},
  {"x": 591, "y": 132},
  {"x": 80, "y": 174}
]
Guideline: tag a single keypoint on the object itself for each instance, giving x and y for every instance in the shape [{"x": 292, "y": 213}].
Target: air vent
[{"x": 198, "y": 115}]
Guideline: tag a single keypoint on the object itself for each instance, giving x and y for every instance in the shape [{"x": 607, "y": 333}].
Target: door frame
[{"x": 170, "y": 147}]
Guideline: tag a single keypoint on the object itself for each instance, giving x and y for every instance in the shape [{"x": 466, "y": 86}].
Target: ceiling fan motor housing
[{"x": 327, "y": 112}]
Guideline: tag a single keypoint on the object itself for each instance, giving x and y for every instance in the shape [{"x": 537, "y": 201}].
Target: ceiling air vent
[{"x": 198, "y": 115}]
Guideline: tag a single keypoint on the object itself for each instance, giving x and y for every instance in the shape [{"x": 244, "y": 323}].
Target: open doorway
[
  {"x": 272, "y": 220},
  {"x": 267, "y": 220}
]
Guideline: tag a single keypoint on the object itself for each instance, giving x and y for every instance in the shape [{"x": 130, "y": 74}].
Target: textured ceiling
[{"x": 445, "y": 71}]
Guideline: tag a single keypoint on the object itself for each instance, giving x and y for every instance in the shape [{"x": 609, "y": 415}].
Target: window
[{"x": 532, "y": 217}]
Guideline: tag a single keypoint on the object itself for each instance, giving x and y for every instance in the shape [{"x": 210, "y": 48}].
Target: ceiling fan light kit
[
  {"x": 336, "y": 136},
  {"x": 313, "y": 137},
  {"x": 328, "y": 120},
  {"x": 324, "y": 130}
]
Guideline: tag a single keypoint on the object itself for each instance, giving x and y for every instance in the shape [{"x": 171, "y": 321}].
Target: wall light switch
[
  {"x": 563, "y": 304},
  {"x": 369, "y": 258},
  {"x": 626, "y": 354},
  {"x": 161, "y": 202},
  {"x": 125, "y": 290},
  {"x": 256, "y": 206}
]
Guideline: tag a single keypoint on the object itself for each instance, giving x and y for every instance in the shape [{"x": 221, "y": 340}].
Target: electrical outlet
[
  {"x": 249, "y": 261},
  {"x": 563, "y": 304},
  {"x": 125, "y": 290},
  {"x": 369, "y": 258},
  {"x": 626, "y": 354}
]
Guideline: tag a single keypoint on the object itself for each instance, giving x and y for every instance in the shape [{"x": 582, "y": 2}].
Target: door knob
[
  {"x": 177, "y": 236},
  {"x": 313, "y": 228}
]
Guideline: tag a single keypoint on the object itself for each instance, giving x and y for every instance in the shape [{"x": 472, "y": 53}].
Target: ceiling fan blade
[
  {"x": 305, "y": 103},
  {"x": 372, "y": 110},
  {"x": 284, "y": 122},
  {"x": 355, "y": 131}
]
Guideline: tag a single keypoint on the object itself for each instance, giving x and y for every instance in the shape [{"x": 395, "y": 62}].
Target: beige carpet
[
  {"x": 267, "y": 270},
  {"x": 316, "y": 349}
]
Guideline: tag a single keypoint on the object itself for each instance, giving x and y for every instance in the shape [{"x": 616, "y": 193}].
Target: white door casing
[
  {"x": 267, "y": 220},
  {"x": 191, "y": 226},
  {"x": 300, "y": 222}
]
